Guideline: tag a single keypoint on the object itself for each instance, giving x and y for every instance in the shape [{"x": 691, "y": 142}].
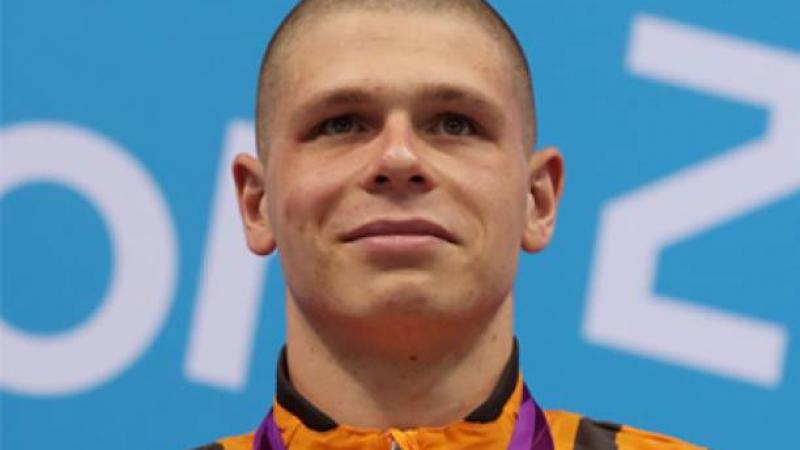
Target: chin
[{"x": 412, "y": 295}]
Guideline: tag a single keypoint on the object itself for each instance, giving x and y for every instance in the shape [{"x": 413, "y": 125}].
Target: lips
[{"x": 412, "y": 227}]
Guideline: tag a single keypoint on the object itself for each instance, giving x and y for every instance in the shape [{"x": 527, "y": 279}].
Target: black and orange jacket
[{"x": 295, "y": 424}]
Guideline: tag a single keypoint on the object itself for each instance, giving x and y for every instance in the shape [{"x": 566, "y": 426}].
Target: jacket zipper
[{"x": 394, "y": 445}]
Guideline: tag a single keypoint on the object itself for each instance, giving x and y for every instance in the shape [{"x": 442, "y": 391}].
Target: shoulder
[
  {"x": 572, "y": 431},
  {"x": 243, "y": 442}
]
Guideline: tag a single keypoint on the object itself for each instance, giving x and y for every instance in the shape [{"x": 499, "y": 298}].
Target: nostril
[
  {"x": 381, "y": 179},
  {"x": 417, "y": 179}
]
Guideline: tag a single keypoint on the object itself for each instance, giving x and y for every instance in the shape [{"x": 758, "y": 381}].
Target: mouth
[{"x": 398, "y": 229}]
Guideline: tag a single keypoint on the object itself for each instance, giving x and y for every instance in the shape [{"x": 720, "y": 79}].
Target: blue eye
[
  {"x": 455, "y": 125},
  {"x": 339, "y": 125}
]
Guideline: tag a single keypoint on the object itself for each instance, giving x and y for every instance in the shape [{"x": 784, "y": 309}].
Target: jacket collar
[{"x": 488, "y": 411}]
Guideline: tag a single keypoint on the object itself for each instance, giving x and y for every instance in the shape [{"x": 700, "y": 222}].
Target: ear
[
  {"x": 248, "y": 173},
  {"x": 546, "y": 178}
]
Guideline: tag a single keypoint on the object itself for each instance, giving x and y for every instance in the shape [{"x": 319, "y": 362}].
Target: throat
[
  {"x": 414, "y": 395},
  {"x": 353, "y": 375}
]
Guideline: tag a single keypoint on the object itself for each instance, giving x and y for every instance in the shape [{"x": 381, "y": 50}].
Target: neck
[{"x": 401, "y": 376}]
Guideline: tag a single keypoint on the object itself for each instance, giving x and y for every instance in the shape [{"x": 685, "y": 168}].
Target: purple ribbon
[
  {"x": 531, "y": 431},
  {"x": 268, "y": 436}
]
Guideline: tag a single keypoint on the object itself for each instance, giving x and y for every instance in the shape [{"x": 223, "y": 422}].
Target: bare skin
[{"x": 398, "y": 192}]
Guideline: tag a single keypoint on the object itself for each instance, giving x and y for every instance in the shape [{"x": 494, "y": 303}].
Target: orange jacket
[{"x": 495, "y": 425}]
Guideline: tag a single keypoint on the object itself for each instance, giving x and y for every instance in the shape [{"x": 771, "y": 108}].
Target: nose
[{"x": 399, "y": 168}]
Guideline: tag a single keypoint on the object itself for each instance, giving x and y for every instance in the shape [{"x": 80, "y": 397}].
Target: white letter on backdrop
[
  {"x": 144, "y": 260},
  {"x": 622, "y": 311},
  {"x": 229, "y": 297}
]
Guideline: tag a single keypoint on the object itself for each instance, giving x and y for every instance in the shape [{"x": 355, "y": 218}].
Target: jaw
[{"x": 398, "y": 319}]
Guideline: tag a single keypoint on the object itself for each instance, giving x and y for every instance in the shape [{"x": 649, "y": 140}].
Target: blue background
[{"x": 165, "y": 78}]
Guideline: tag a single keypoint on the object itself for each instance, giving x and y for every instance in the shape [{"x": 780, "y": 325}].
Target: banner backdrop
[{"x": 133, "y": 317}]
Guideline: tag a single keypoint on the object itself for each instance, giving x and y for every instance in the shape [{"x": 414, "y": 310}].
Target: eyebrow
[
  {"x": 453, "y": 93},
  {"x": 341, "y": 97}
]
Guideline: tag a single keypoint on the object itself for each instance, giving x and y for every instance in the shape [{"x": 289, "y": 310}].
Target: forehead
[{"x": 392, "y": 52}]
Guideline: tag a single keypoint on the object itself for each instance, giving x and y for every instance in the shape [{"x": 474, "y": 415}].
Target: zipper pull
[{"x": 393, "y": 445}]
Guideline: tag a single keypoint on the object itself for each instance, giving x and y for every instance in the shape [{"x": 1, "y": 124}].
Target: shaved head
[{"x": 307, "y": 12}]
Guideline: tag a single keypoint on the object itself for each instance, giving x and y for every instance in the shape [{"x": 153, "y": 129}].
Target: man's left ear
[{"x": 546, "y": 179}]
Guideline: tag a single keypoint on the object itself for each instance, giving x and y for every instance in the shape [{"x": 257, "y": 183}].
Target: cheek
[
  {"x": 504, "y": 222},
  {"x": 302, "y": 200},
  {"x": 505, "y": 225},
  {"x": 501, "y": 203}
]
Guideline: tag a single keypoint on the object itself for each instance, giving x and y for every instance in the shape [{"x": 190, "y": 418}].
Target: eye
[
  {"x": 339, "y": 125},
  {"x": 455, "y": 125}
]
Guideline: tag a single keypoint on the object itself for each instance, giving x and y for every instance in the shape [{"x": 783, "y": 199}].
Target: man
[{"x": 397, "y": 179}]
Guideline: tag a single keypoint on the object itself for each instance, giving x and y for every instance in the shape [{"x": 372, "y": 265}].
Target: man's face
[{"x": 397, "y": 186}]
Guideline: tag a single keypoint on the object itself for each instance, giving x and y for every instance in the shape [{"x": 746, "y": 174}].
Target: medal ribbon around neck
[{"x": 530, "y": 430}]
